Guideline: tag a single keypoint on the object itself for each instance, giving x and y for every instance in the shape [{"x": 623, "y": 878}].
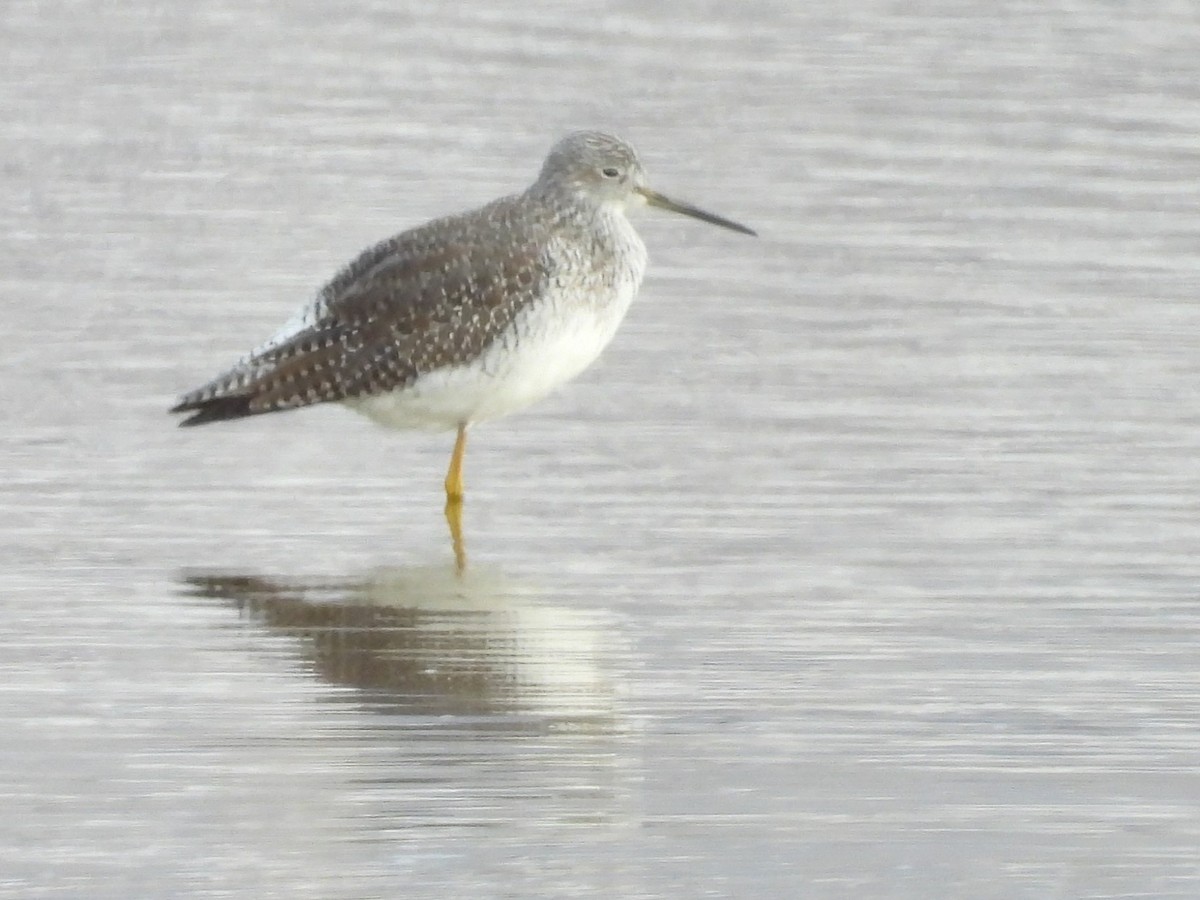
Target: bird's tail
[{"x": 215, "y": 409}]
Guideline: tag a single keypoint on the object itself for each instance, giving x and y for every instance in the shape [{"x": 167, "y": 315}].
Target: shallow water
[{"x": 864, "y": 563}]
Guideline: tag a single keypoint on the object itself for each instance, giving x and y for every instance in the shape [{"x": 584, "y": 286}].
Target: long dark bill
[{"x": 656, "y": 199}]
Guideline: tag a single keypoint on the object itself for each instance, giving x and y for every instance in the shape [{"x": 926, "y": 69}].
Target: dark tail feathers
[{"x": 217, "y": 409}]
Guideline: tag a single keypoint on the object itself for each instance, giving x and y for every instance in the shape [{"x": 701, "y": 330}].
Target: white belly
[{"x": 540, "y": 352}]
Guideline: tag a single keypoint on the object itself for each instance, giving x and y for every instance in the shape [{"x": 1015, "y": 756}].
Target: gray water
[{"x": 864, "y": 564}]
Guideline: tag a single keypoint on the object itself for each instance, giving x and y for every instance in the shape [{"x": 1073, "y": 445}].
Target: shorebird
[{"x": 469, "y": 317}]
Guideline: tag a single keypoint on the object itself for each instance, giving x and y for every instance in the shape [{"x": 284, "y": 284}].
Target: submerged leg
[
  {"x": 454, "y": 500},
  {"x": 454, "y": 520}
]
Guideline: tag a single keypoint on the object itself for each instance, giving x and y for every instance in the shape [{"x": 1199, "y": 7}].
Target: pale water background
[{"x": 864, "y": 565}]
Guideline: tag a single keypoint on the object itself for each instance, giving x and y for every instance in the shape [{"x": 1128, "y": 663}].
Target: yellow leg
[
  {"x": 454, "y": 479},
  {"x": 454, "y": 500}
]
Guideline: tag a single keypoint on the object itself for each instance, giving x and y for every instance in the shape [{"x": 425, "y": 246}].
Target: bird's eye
[{"x": 610, "y": 171}]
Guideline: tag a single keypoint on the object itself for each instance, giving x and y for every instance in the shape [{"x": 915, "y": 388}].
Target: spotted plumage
[{"x": 426, "y": 299}]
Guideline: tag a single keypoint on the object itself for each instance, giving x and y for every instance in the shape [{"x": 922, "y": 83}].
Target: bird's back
[{"x": 427, "y": 298}]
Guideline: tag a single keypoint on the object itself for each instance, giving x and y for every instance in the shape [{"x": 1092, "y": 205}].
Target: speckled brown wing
[{"x": 426, "y": 299}]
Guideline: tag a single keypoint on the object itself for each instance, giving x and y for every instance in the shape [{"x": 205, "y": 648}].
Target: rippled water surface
[{"x": 864, "y": 564}]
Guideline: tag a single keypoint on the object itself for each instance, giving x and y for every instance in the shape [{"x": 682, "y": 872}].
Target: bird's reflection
[{"x": 475, "y": 646}]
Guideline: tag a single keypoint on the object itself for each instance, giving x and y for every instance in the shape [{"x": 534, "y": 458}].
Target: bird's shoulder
[{"x": 474, "y": 259}]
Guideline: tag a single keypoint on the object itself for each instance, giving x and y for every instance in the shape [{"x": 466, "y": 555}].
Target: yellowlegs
[{"x": 467, "y": 318}]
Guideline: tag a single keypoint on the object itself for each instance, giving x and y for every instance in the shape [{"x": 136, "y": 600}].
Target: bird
[{"x": 469, "y": 317}]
